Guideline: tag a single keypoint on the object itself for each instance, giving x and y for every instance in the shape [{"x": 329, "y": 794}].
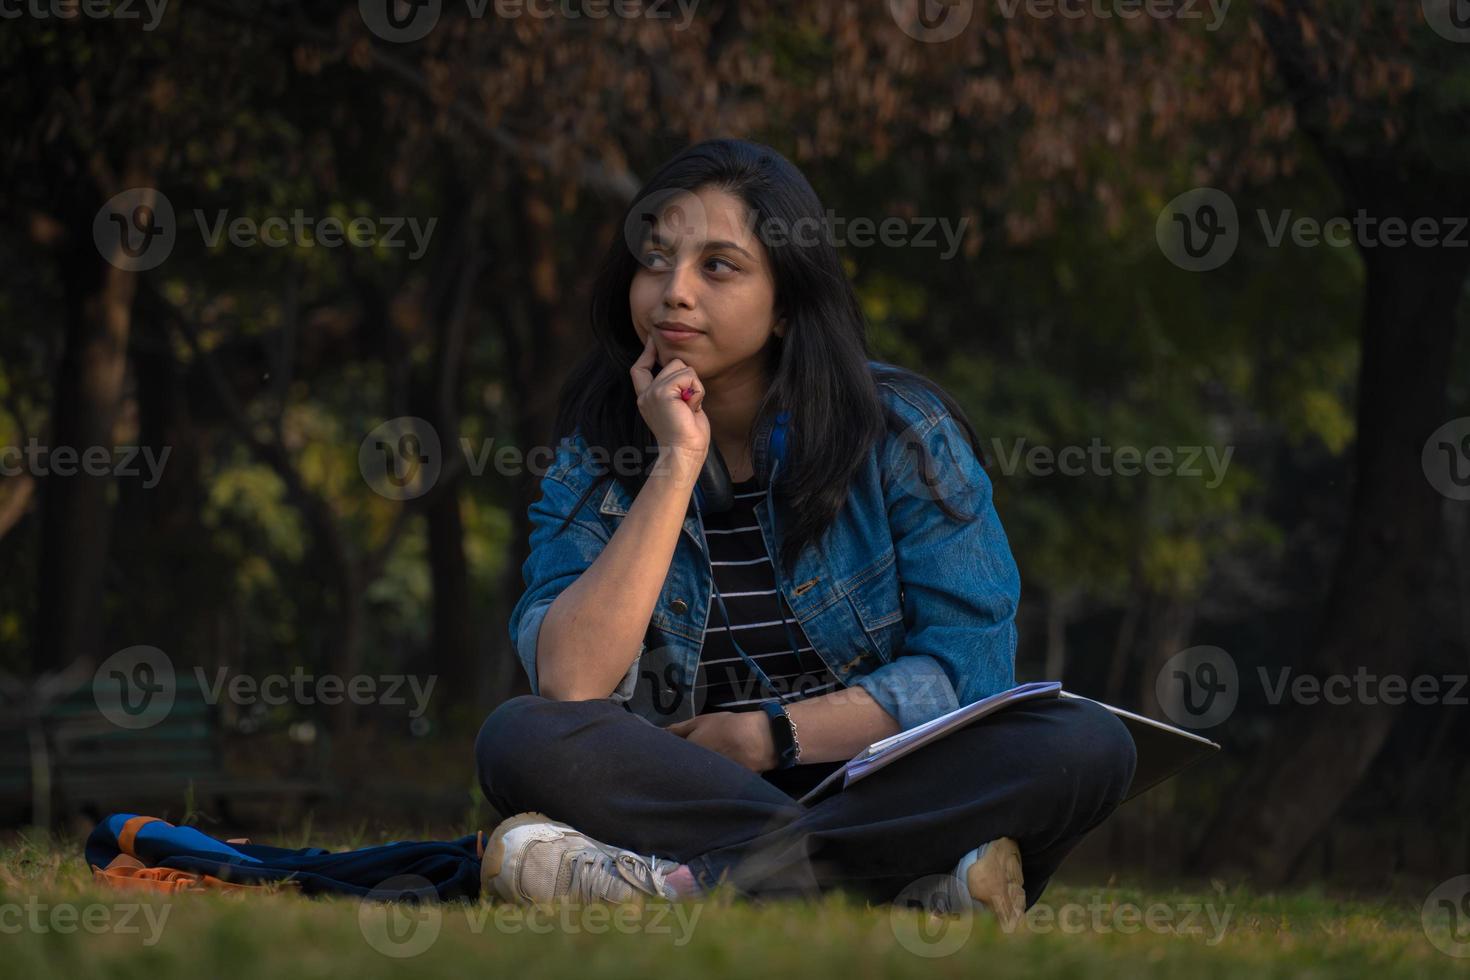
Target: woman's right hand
[{"x": 675, "y": 423}]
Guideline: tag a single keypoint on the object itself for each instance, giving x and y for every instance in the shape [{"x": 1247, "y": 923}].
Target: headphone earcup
[{"x": 777, "y": 452}]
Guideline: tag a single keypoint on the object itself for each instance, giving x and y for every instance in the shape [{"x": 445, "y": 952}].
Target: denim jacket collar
[{"x": 616, "y": 500}]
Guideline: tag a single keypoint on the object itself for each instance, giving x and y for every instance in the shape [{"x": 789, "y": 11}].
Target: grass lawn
[{"x": 55, "y": 923}]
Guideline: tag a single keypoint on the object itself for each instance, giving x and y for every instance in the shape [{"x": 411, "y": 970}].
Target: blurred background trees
[{"x": 1060, "y": 321}]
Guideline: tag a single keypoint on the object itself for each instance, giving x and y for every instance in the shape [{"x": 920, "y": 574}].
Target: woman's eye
[
  {"x": 716, "y": 261},
  {"x": 654, "y": 259}
]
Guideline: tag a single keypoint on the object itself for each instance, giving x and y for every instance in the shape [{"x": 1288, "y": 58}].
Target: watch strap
[{"x": 783, "y": 732}]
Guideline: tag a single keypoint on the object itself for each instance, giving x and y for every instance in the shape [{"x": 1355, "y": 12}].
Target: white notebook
[
  {"x": 1163, "y": 750},
  {"x": 886, "y": 750}
]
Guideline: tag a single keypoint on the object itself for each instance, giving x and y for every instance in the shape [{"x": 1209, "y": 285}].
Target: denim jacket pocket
[{"x": 874, "y": 595}]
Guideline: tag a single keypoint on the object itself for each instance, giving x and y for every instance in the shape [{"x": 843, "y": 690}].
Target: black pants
[{"x": 1044, "y": 773}]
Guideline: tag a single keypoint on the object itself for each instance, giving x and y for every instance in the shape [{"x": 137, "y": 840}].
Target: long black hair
[{"x": 819, "y": 370}]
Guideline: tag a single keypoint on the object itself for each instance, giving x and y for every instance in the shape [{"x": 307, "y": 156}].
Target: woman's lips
[{"x": 675, "y": 334}]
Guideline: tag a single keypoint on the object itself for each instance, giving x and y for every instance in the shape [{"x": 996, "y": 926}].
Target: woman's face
[{"x": 703, "y": 268}]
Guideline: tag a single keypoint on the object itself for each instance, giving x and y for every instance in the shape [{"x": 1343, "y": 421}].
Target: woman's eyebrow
[
  {"x": 721, "y": 243},
  {"x": 654, "y": 237}
]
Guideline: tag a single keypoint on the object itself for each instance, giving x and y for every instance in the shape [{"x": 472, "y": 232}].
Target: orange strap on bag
[
  {"x": 127, "y": 873},
  {"x": 128, "y": 836}
]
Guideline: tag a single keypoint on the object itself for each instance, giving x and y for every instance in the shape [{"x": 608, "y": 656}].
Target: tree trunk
[
  {"x": 1167, "y": 630},
  {"x": 344, "y": 627},
  {"x": 541, "y": 358},
  {"x": 76, "y": 510},
  {"x": 1380, "y": 586},
  {"x": 452, "y": 648},
  {"x": 1059, "y": 609},
  {"x": 1123, "y": 643}
]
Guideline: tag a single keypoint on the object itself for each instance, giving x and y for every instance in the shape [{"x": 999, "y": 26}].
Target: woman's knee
[
  {"x": 508, "y": 738},
  {"x": 1099, "y": 749}
]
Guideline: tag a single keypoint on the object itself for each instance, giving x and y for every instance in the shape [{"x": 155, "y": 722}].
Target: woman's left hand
[{"x": 744, "y": 736}]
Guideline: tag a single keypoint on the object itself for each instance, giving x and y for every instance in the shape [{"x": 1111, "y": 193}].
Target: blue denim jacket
[{"x": 916, "y": 608}]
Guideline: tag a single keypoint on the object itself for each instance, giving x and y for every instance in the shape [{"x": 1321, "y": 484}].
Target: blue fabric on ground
[{"x": 448, "y": 869}]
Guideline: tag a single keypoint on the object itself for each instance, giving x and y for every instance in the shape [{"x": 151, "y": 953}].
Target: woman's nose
[{"x": 681, "y": 286}]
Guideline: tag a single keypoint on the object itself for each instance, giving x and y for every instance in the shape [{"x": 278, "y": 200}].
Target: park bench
[{"x": 62, "y": 760}]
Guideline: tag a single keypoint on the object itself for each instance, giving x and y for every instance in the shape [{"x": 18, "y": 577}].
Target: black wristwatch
[{"x": 788, "y": 749}]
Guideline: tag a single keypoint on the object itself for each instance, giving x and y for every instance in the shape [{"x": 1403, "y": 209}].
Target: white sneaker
[
  {"x": 532, "y": 859},
  {"x": 989, "y": 877}
]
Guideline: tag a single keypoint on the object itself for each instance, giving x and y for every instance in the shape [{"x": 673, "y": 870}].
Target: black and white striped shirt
[{"x": 746, "y": 577}]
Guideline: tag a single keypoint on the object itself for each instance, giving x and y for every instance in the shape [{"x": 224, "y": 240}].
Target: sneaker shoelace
[{"x": 601, "y": 876}]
